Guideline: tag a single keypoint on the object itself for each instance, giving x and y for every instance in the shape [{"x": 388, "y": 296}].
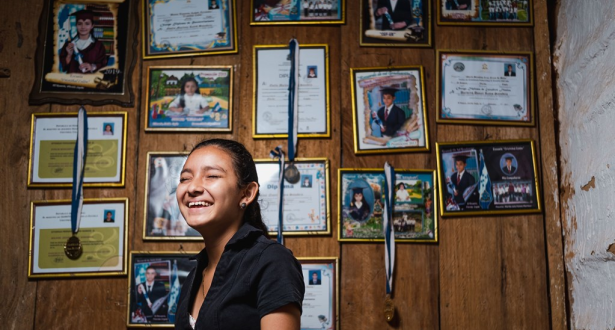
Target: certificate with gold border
[
  {"x": 271, "y": 79},
  {"x": 321, "y": 301},
  {"x": 52, "y": 144},
  {"x": 306, "y": 203},
  {"x": 102, "y": 232}
]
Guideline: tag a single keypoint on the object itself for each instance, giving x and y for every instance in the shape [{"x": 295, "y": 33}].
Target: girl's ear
[{"x": 249, "y": 192}]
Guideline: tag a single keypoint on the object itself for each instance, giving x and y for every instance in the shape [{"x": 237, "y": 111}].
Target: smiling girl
[{"x": 84, "y": 54}]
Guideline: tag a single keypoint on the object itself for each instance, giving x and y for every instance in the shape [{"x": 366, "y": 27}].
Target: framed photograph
[
  {"x": 486, "y": 88},
  {"x": 406, "y": 25},
  {"x": 284, "y": 12},
  {"x": 86, "y": 52},
  {"x": 306, "y": 203},
  {"x": 321, "y": 303},
  {"x": 488, "y": 177},
  {"x": 361, "y": 205},
  {"x": 102, "y": 234},
  {"x": 271, "y": 78},
  {"x": 388, "y": 110},
  {"x": 52, "y": 145},
  {"x": 154, "y": 284},
  {"x": 189, "y": 98},
  {"x": 175, "y": 28},
  {"x": 485, "y": 12},
  {"x": 163, "y": 221}
]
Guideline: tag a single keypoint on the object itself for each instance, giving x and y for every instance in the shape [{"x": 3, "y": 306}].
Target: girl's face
[
  {"x": 108, "y": 128},
  {"x": 207, "y": 193},
  {"x": 358, "y": 197},
  {"x": 84, "y": 27},
  {"x": 190, "y": 88}
]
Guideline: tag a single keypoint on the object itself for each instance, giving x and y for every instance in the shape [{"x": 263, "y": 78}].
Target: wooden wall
[{"x": 486, "y": 272}]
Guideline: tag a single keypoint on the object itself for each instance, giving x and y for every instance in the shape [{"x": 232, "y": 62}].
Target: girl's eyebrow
[{"x": 204, "y": 168}]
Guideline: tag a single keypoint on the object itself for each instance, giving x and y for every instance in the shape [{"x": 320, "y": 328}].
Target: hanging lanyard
[{"x": 389, "y": 239}]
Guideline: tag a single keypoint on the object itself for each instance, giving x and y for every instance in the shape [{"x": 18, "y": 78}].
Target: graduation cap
[
  {"x": 357, "y": 190},
  {"x": 461, "y": 158},
  {"x": 389, "y": 90},
  {"x": 84, "y": 14}
]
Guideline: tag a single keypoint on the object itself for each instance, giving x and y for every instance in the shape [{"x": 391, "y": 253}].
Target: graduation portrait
[{"x": 401, "y": 23}]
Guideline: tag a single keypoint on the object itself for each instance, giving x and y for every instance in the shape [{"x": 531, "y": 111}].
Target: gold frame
[
  {"x": 335, "y": 262},
  {"x": 355, "y": 122},
  {"x": 145, "y": 237},
  {"x": 428, "y": 27},
  {"x": 435, "y": 192},
  {"x": 471, "y": 144},
  {"x": 530, "y": 6},
  {"x": 131, "y": 280},
  {"x": 327, "y": 196},
  {"x": 122, "y": 162},
  {"x": 234, "y": 49},
  {"x": 230, "y": 69},
  {"x": 327, "y": 134},
  {"x": 342, "y": 20},
  {"x": 484, "y": 53},
  {"x": 34, "y": 204}
]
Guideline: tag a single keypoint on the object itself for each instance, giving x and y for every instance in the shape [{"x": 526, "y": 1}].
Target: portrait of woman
[
  {"x": 108, "y": 130},
  {"x": 359, "y": 208},
  {"x": 83, "y": 53},
  {"x": 250, "y": 281}
]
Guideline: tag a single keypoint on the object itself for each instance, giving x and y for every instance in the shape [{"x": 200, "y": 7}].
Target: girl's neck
[{"x": 215, "y": 242}]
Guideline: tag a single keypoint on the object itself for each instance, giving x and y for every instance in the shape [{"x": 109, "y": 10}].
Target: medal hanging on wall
[
  {"x": 389, "y": 240},
  {"x": 73, "y": 248}
]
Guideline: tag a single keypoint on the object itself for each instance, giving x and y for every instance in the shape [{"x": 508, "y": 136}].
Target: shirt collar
[{"x": 245, "y": 232}]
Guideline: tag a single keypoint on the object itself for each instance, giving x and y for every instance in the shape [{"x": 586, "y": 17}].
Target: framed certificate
[
  {"x": 306, "y": 203},
  {"x": 488, "y": 88},
  {"x": 485, "y": 178},
  {"x": 154, "y": 284},
  {"x": 270, "y": 12},
  {"x": 163, "y": 221},
  {"x": 174, "y": 28},
  {"x": 102, "y": 232},
  {"x": 407, "y": 25},
  {"x": 189, "y": 98},
  {"x": 86, "y": 52},
  {"x": 361, "y": 205},
  {"x": 271, "y": 77},
  {"x": 490, "y": 12},
  {"x": 321, "y": 302},
  {"x": 388, "y": 110},
  {"x": 52, "y": 144}
]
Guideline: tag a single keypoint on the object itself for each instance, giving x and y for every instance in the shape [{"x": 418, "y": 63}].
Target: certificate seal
[
  {"x": 73, "y": 248},
  {"x": 486, "y": 109},
  {"x": 459, "y": 67}
]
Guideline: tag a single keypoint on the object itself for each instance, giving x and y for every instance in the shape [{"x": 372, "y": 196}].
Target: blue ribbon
[
  {"x": 79, "y": 156},
  {"x": 389, "y": 232},
  {"x": 292, "y": 99},
  {"x": 279, "y": 153}
]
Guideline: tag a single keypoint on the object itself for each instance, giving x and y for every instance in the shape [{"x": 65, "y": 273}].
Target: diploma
[
  {"x": 320, "y": 301},
  {"x": 102, "y": 233},
  {"x": 305, "y": 203},
  {"x": 271, "y": 90},
  {"x": 53, "y": 143},
  {"x": 486, "y": 88}
]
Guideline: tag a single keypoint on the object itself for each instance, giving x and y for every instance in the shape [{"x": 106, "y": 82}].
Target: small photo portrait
[
  {"x": 508, "y": 164},
  {"x": 404, "y": 23},
  {"x": 360, "y": 198},
  {"x": 510, "y": 70},
  {"x": 315, "y": 277},
  {"x": 150, "y": 304},
  {"x": 306, "y": 181},
  {"x": 312, "y": 71},
  {"x": 109, "y": 216},
  {"x": 213, "y": 4},
  {"x": 408, "y": 192},
  {"x": 108, "y": 128}
]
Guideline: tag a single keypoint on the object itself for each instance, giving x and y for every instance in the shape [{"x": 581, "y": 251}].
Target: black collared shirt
[{"x": 254, "y": 277}]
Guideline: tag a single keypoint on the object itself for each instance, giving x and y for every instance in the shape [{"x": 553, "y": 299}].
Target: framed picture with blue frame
[
  {"x": 389, "y": 110},
  {"x": 361, "y": 205}
]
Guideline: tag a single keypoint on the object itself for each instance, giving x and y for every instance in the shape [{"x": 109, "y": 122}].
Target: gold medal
[
  {"x": 389, "y": 308},
  {"x": 291, "y": 174},
  {"x": 72, "y": 248}
]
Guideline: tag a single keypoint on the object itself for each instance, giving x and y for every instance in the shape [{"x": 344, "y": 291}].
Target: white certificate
[
  {"x": 486, "y": 87},
  {"x": 102, "y": 232},
  {"x": 185, "y": 22},
  {"x": 306, "y": 207},
  {"x": 320, "y": 300},
  {"x": 53, "y": 143},
  {"x": 272, "y": 71}
]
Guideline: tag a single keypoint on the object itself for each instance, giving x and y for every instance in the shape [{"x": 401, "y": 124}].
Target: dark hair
[
  {"x": 108, "y": 125},
  {"x": 245, "y": 170},
  {"x": 151, "y": 267},
  {"x": 182, "y": 103}
]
